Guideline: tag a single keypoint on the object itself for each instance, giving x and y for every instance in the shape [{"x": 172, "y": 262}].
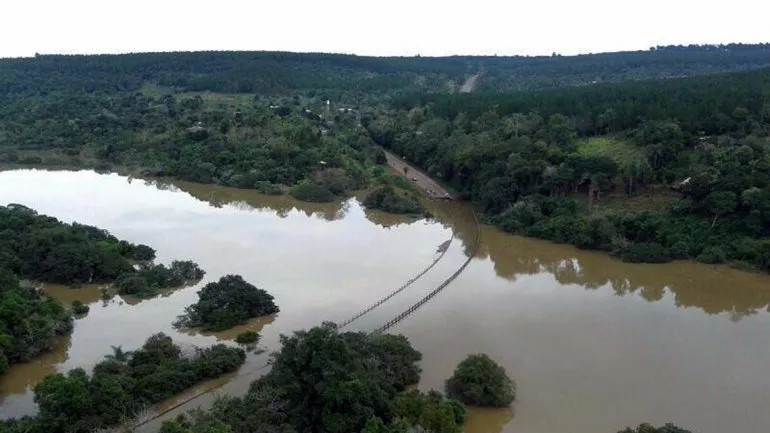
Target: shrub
[
  {"x": 130, "y": 284},
  {"x": 267, "y": 188},
  {"x": 150, "y": 278},
  {"x": 390, "y": 199},
  {"x": 79, "y": 308},
  {"x": 712, "y": 255},
  {"x": 312, "y": 192},
  {"x": 248, "y": 337},
  {"x": 644, "y": 252},
  {"x": 480, "y": 381}
]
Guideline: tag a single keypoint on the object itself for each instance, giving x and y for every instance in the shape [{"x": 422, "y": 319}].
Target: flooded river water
[{"x": 593, "y": 344}]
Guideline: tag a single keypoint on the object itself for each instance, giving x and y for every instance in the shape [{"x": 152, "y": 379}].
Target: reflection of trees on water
[
  {"x": 712, "y": 289},
  {"x": 280, "y": 205},
  {"x": 457, "y": 217},
  {"x": 388, "y": 220},
  {"x": 487, "y": 420},
  {"x": 255, "y": 325},
  {"x": 248, "y": 200}
]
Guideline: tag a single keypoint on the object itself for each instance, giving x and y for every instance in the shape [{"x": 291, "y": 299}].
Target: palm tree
[{"x": 118, "y": 354}]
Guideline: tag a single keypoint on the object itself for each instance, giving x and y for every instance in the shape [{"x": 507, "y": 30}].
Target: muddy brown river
[{"x": 594, "y": 344}]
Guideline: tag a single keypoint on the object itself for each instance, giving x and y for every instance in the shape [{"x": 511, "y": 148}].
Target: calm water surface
[{"x": 594, "y": 344}]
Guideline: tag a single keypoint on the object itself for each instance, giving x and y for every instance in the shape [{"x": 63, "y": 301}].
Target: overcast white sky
[{"x": 386, "y": 27}]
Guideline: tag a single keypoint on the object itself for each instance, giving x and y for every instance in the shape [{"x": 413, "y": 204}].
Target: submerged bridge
[{"x": 144, "y": 424}]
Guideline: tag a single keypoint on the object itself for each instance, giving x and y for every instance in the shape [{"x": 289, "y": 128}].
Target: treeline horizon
[{"x": 276, "y": 72}]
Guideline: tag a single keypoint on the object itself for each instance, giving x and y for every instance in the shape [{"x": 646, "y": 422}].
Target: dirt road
[{"x": 422, "y": 181}]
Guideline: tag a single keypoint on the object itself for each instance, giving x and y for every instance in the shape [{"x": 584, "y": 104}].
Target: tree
[
  {"x": 64, "y": 401},
  {"x": 719, "y": 203},
  {"x": 118, "y": 354},
  {"x": 478, "y": 380},
  {"x": 228, "y": 302},
  {"x": 335, "y": 383}
]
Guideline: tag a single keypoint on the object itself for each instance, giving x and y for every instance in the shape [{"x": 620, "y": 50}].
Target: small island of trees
[
  {"x": 226, "y": 303},
  {"x": 480, "y": 381}
]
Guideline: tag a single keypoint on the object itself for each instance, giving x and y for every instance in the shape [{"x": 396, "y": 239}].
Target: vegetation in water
[
  {"x": 79, "y": 308},
  {"x": 247, "y": 337},
  {"x": 150, "y": 278},
  {"x": 480, "y": 381},
  {"x": 647, "y": 428},
  {"x": 42, "y": 248},
  {"x": 324, "y": 381},
  {"x": 30, "y": 321},
  {"x": 226, "y": 303},
  {"x": 390, "y": 198},
  {"x": 122, "y": 386}
]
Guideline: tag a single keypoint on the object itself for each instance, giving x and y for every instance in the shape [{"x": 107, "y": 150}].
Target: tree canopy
[
  {"x": 648, "y": 171},
  {"x": 338, "y": 75},
  {"x": 42, "y": 248},
  {"x": 324, "y": 381},
  {"x": 480, "y": 381},
  {"x": 226, "y": 303}
]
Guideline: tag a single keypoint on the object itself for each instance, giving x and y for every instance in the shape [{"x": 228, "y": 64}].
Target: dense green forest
[
  {"x": 239, "y": 141},
  {"x": 121, "y": 386},
  {"x": 649, "y": 171},
  {"x": 341, "y": 76}
]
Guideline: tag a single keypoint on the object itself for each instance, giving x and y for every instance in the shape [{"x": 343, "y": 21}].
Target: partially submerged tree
[
  {"x": 480, "y": 381},
  {"x": 226, "y": 303}
]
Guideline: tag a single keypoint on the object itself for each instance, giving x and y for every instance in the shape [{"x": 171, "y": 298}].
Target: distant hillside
[{"x": 276, "y": 73}]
